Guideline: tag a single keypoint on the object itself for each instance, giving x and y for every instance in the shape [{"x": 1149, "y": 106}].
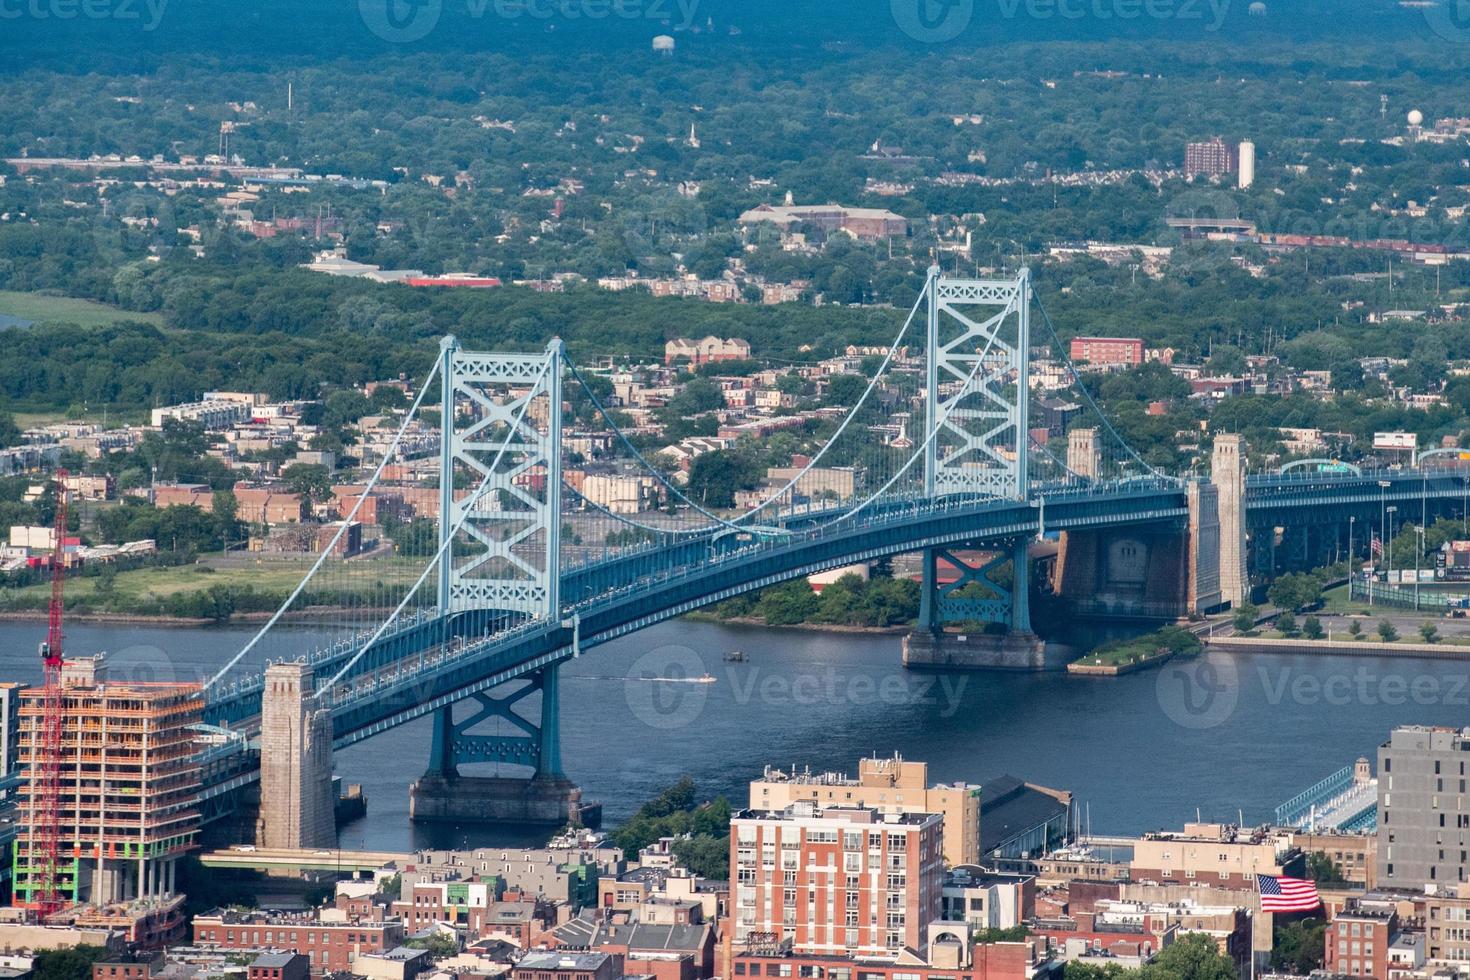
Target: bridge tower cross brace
[
  {"x": 977, "y": 405},
  {"x": 501, "y": 423}
]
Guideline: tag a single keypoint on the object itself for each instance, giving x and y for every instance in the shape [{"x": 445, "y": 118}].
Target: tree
[
  {"x": 1355, "y": 630},
  {"x": 1286, "y": 624},
  {"x": 1429, "y": 632},
  {"x": 439, "y": 945},
  {"x": 1386, "y": 631},
  {"x": 714, "y": 477},
  {"x": 705, "y": 855},
  {"x": 1297, "y": 947},
  {"x": 1296, "y": 591},
  {"x": 1321, "y": 868},
  {"x": 9, "y": 431},
  {"x": 1312, "y": 628},
  {"x": 844, "y": 389},
  {"x": 345, "y": 406},
  {"x": 67, "y": 964},
  {"x": 312, "y": 480},
  {"x": 1245, "y": 617},
  {"x": 1192, "y": 957}
]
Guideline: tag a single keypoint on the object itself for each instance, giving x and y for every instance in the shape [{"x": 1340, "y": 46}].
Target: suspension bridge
[{"x": 528, "y": 565}]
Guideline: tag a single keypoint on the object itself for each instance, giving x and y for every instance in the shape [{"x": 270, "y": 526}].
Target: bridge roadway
[
  {"x": 425, "y": 664},
  {"x": 301, "y": 859}
]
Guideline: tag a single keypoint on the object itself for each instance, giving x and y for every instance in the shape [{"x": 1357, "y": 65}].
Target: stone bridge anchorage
[{"x": 553, "y": 534}]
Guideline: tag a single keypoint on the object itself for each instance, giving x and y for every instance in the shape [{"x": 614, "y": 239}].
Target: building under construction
[{"x": 127, "y": 804}]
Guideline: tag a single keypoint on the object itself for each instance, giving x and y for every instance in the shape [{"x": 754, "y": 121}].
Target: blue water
[{"x": 1225, "y": 734}]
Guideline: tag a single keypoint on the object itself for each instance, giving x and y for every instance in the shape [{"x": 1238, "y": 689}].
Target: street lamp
[
  {"x": 1419, "y": 551},
  {"x": 1387, "y": 551},
  {"x": 1351, "y": 562}
]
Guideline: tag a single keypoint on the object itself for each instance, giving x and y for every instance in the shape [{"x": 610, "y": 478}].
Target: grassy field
[
  {"x": 146, "y": 585},
  {"x": 40, "y": 308}
]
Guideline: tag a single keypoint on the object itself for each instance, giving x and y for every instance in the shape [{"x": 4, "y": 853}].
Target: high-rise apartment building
[
  {"x": 890, "y": 784},
  {"x": 1423, "y": 824},
  {"x": 129, "y": 786},
  {"x": 1245, "y": 164},
  {"x": 10, "y": 698},
  {"x": 1211, "y": 158},
  {"x": 828, "y": 880}
]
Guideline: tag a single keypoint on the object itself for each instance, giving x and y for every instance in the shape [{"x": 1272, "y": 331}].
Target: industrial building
[{"x": 128, "y": 810}]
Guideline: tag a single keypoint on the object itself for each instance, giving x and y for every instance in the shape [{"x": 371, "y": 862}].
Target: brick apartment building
[
  {"x": 1108, "y": 351},
  {"x": 1357, "y": 941},
  {"x": 331, "y": 940},
  {"x": 269, "y": 505},
  {"x": 707, "y": 350},
  {"x": 839, "y": 879}
]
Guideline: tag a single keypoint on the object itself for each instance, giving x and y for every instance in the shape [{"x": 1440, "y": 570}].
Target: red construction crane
[{"x": 46, "y": 788}]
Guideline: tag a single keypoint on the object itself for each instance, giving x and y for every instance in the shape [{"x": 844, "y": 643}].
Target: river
[{"x": 1223, "y": 734}]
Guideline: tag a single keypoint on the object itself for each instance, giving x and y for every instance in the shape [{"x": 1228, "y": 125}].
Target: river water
[{"x": 1223, "y": 734}]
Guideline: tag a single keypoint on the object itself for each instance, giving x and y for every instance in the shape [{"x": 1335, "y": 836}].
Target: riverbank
[
  {"x": 1351, "y": 648},
  {"x": 310, "y": 617}
]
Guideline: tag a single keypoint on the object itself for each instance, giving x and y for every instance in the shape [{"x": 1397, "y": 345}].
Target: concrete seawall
[
  {"x": 1361, "y": 648},
  {"x": 1118, "y": 670}
]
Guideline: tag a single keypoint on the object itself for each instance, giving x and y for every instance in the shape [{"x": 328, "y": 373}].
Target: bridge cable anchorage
[
  {"x": 812, "y": 462},
  {"x": 449, "y": 538},
  {"x": 1097, "y": 410},
  {"x": 336, "y": 538}
]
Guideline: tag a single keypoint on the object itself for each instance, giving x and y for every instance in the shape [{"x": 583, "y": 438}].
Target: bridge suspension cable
[
  {"x": 331, "y": 547},
  {"x": 779, "y": 493},
  {"x": 448, "y": 538},
  {"x": 1087, "y": 395}
]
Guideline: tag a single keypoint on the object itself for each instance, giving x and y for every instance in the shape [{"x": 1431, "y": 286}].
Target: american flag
[
  {"x": 1376, "y": 546},
  {"x": 1287, "y": 894}
]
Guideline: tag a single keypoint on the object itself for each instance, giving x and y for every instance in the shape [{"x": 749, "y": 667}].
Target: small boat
[{"x": 736, "y": 657}]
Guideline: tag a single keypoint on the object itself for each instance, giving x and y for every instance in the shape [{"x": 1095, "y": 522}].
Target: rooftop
[
  {"x": 562, "y": 961},
  {"x": 274, "y": 960}
]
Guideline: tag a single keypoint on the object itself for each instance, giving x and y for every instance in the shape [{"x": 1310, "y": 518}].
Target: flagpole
[{"x": 1255, "y": 918}]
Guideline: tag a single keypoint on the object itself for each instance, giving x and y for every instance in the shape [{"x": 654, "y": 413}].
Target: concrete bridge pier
[
  {"x": 1009, "y": 643},
  {"x": 296, "y": 805},
  {"x": 544, "y": 797}
]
